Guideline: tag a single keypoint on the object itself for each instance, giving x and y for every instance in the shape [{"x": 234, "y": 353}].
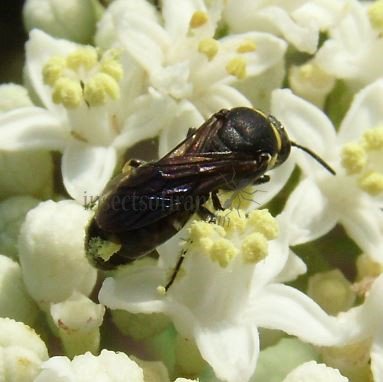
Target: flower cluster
[{"x": 273, "y": 275}]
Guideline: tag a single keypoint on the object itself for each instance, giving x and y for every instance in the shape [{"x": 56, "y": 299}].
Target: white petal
[
  {"x": 149, "y": 115},
  {"x": 107, "y": 31},
  {"x": 307, "y": 125},
  {"x": 39, "y": 49},
  {"x": 231, "y": 350},
  {"x": 134, "y": 290},
  {"x": 32, "y": 128},
  {"x": 304, "y": 122},
  {"x": 177, "y": 15},
  {"x": 285, "y": 308},
  {"x": 365, "y": 112},
  {"x": 86, "y": 169},
  {"x": 294, "y": 267},
  {"x": 305, "y": 38},
  {"x": 343, "y": 52},
  {"x": 143, "y": 38},
  {"x": 220, "y": 96},
  {"x": 377, "y": 357},
  {"x": 312, "y": 371},
  {"x": 269, "y": 50},
  {"x": 278, "y": 179},
  {"x": 365, "y": 226},
  {"x": 187, "y": 117},
  {"x": 309, "y": 212}
]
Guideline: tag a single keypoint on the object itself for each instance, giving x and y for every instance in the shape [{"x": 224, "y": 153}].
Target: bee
[{"x": 148, "y": 203}]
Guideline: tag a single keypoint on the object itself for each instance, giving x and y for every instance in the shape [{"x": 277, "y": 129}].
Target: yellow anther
[
  {"x": 53, "y": 70},
  {"x": 86, "y": 57},
  {"x": 99, "y": 88},
  {"x": 237, "y": 67},
  {"x": 201, "y": 229},
  {"x": 254, "y": 248},
  {"x": 263, "y": 222},
  {"x": 234, "y": 221},
  {"x": 353, "y": 158},
  {"x": 209, "y": 47},
  {"x": 198, "y": 19},
  {"x": 113, "y": 68},
  {"x": 67, "y": 92},
  {"x": 222, "y": 251},
  {"x": 373, "y": 139},
  {"x": 247, "y": 46},
  {"x": 372, "y": 183},
  {"x": 375, "y": 14}
]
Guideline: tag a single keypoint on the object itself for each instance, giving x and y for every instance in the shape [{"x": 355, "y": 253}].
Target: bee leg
[
  {"x": 191, "y": 131},
  {"x": 176, "y": 270},
  {"x": 135, "y": 163},
  {"x": 205, "y": 214},
  {"x": 216, "y": 202},
  {"x": 262, "y": 179},
  {"x": 130, "y": 164}
]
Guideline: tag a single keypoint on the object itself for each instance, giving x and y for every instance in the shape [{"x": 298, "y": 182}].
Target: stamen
[
  {"x": 209, "y": 47},
  {"x": 198, "y": 19},
  {"x": 247, "y": 46},
  {"x": 237, "y": 67},
  {"x": 353, "y": 157}
]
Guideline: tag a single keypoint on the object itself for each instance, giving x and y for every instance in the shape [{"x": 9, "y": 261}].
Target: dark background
[{"x": 12, "y": 39}]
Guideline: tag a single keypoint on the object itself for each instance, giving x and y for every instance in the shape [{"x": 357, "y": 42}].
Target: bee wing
[
  {"x": 158, "y": 190},
  {"x": 195, "y": 142}
]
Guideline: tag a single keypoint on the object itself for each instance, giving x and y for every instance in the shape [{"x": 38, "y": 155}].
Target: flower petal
[
  {"x": 307, "y": 125},
  {"x": 142, "y": 37},
  {"x": 150, "y": 114},
  {"x": 285, "y": 308},
  {"x": 31, "y": 128},
  {"x": 134, "y": 290},
  {"x": 278, "y": 179},
  {"x": 187, "y": 117},
  {"x": 365, "y": 226},
  {"x": 220, "y": 96},
  {"x": 294, "y": 267},
  {"x": 231, "y": 350},
  {"x": 39, "y": 48},
  {"x": 365, "y": 112},
  {"x": 308, "y": 212},
  {"x": 177, "y": 15},
  {"x": 86, "y": 169}
]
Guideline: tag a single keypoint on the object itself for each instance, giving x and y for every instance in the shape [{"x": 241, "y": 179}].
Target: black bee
[{"x": 149, "y": 202}]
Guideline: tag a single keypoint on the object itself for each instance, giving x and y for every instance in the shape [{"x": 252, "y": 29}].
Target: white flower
[
  {"x": 364, "y": 326},
  {"x": 78, "y": 319},
  {"x": 353, "y": 42},
  {"x": 73, "y": 20},
  {"x": 353, "y": 197},
  {"x": 12, "y": 215},
  {"x": 52, "y": 254},
  {"x": 108, "y": 366},
  {"x": 314, "y": 372},
  {"x": 21, "y": 351},
  {"x": 13, "y": 96},
  {"x": 225, "y": 289},
  {"x": 299, "y": 22},
  {"x": 16, "y": 175},
  {"x": 14, "y": 300},
  {"x": 91, "y": 100},
  {"x": 183, "y": 59}
]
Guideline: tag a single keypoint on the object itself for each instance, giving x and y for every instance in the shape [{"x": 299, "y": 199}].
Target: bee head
[{"x": 282, "y": 140}]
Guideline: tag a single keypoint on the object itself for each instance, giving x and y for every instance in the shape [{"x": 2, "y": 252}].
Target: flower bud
[{"x": 71, "y": 19}]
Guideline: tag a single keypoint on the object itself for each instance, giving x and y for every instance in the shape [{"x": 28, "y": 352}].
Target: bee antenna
[{"x": 315, "y": 156}]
